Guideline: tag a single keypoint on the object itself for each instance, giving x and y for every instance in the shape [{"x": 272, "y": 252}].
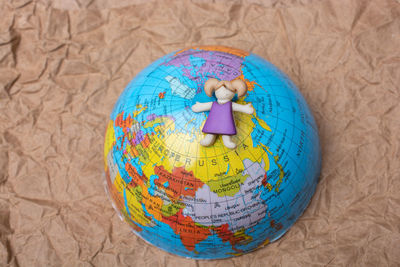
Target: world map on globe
[{"x": 210, "y": 202}]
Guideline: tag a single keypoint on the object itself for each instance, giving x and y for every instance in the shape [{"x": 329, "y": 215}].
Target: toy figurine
[{"x": 220, "y": 120}]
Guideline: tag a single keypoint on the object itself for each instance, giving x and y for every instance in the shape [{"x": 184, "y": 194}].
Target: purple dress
[{"x": 220, "y": 120}]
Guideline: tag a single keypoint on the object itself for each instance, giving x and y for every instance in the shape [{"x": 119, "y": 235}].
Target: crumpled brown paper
[{"x": 64, "y": 63}]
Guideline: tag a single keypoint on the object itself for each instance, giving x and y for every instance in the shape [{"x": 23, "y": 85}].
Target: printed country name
[
  {"x": 160, "y": 150},
  {"x": 228, "y": 186},
  {"x": 215, "y": 220},
  {"x": 180, "y": 180},
  {"x": 260, "y": 215},
  {"x": 212, "y": 216},
  {"x": 241, "y": 217},
  {"x": 189, "y": 230},
  {"x": 230, "y": 213},
  {"x": 191, "y": 199}
]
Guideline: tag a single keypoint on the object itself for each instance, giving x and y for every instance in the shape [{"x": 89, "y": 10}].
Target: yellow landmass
[
  {"x": 228, "y": 186},
  {"x": 262, "y": 123},
  {"x": 139, "y": 110},
  {"x": 178, "y": 149},
  {"x": 281, "y": 171},
  {"x": 109, "y": 141}
]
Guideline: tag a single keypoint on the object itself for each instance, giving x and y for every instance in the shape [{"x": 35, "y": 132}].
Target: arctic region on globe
[{"x": 210, "y": 202}]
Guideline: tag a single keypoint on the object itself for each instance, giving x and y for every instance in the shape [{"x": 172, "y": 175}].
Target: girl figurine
[{"x": 220, "y": 120}]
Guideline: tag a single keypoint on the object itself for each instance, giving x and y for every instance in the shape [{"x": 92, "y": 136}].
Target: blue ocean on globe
[{"x": 210, "y": 202}]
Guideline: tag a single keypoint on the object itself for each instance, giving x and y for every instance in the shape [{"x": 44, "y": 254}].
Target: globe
[{"x": 210, "y": 202}]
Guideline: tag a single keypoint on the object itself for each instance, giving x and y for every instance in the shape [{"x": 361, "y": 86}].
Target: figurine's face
[{"x": 224, "y": 94}]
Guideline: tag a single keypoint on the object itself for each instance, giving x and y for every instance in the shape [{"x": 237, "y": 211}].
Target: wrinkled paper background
[{"x": 63, "y": 64}]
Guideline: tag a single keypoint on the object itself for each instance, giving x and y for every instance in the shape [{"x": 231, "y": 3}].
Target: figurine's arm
[
  {"x": 199, "y": 107},
  {"x": 243, "y": 108}
]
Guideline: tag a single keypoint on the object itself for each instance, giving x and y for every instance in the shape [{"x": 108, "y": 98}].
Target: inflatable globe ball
[{"x": 222, "y": 197}]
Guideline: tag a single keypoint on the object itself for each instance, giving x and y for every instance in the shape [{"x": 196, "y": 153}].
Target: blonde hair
[{"x": 237, "y": 86}]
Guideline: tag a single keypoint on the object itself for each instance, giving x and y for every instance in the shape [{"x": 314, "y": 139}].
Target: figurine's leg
[
  {"x": 228, "y": 141},
  {"x": 208, "y": 140}
]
